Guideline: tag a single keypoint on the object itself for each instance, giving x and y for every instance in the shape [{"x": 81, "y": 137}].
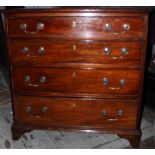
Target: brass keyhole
[
  {"x": 73, "y": 24},
  {"x": 74, "y": 74}
]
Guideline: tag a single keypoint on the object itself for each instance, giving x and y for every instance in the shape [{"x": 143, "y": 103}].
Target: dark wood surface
[
  {"x": 76, "y": 81},
  {"x": 76, "y": 112},
  {"x": 74, "y": 51},
  {"x": 74, "y": 66},
  {"x": 83, "y": 27}
]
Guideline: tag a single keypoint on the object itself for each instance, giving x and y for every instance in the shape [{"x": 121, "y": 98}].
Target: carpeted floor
[{"x": 65, "y": 140}]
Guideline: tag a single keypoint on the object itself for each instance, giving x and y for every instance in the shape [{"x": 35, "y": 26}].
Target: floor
[{"x": 66, "y": 140}]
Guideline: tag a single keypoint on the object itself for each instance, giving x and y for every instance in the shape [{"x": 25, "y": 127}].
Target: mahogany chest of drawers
[{"x": 77, "y": 69}]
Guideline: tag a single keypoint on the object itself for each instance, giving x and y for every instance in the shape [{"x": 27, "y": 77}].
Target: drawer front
[
  {"x": 75, "y": 112},
  {"x": 42, "y": 52},
  {"x": 84, "y": 27},
  {"x": 76, "y": 81}
]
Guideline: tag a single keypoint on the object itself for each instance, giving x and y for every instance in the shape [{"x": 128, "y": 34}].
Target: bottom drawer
[{"x": 71, "y": 112}]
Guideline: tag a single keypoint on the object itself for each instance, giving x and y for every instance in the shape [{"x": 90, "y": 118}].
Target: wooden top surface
[{"x": 81, "y": 9}]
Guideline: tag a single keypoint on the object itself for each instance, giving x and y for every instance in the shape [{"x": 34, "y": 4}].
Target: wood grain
[
  {"x": 86, "y": 27},
  {"x": 75, "y": 67},
  {"x": 75, "y": 112},
  {"x": 75, "y": 51},
  {"x": 76, "y": 81}
]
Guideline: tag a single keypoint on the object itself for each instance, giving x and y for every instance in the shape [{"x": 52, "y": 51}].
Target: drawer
[
  {"x": 41, "y": 52},
  {"x": 83, "y": 27},
  {"x": 75, "y": 112},
  {"x": 115, "y": 82}
]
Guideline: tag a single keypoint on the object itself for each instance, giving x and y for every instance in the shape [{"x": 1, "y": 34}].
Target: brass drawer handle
[
  {"x": 42, "y": 80},
  {"x": 25, "y": 50},
  {"x": 106, "y": 82},
  {"x": 122, "y": 82},
  {"x": 125, "y": 27},
  {"x": 28, "y": 109},
  {"x": 119, "y": 114},
  {"x": 39, "y": 27},
  {"x": 41, "y": 50},
  {"x": 27, "y": 78},
  {"x": 44, "y": 109},
  {"x": 108, "y": 27},
  {"x": 104, "y": 113},
  {"x": 108, "y": 51},
  {"x": 124, "y": 51}
]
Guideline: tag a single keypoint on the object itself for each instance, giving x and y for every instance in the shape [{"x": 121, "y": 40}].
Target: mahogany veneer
[
  {"x": 77, "y": 69},
  {"x": 74, "y": 51}
]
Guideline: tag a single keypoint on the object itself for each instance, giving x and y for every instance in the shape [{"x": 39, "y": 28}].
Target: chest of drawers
[{"x": 77, "y": 69}]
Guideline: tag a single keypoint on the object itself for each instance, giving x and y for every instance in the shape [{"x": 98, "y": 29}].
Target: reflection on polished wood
[{"x": 77, "y": 69}]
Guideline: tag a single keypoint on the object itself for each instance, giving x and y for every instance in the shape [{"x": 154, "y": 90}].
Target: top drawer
[{"x": 80, "y": 27}]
